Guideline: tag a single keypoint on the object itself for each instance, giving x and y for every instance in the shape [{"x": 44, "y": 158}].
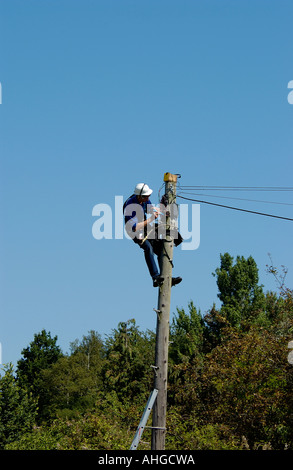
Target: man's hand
[{"x": 156, "y": 212}]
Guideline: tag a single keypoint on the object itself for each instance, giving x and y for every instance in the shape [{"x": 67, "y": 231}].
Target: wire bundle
[{"x": 184, "y": 191}]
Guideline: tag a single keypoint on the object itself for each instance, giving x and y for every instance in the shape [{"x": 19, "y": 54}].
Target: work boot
[
  {"x": 176, "y": 280},
  {"x": 158, "y": 281}
]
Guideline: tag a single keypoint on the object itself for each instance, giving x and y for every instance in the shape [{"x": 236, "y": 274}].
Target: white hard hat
[{"x": 142, "y": 189}]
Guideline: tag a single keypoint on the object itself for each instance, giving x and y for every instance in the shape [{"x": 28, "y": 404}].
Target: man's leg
[
  {"x": 157, "y": 248},
  {"x": 150, "y": 259}
]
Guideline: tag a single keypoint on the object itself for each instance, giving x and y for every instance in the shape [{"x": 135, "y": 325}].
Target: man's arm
[{"x": 141, "y": 225}]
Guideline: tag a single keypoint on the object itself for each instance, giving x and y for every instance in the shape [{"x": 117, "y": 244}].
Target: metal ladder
[{"x": 144, "y": 419}]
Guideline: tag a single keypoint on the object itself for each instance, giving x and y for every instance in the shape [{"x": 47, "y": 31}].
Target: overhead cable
[
  {"x": 235, "y": 208},
  {"x": 237, "y": 188},
  {"x": 191, "y": 193}
]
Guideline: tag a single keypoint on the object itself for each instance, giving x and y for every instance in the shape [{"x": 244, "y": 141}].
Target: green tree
[
  {"x": 92, "y": 431},
  {"x": 280, "y": 309},
  {"x": 241, "y": 296},
  {"x": 67, "y": 387},
  {"x": 214, "y": 324},
  {"x": 18, "y": 408},
  {"x": 129, "y": 355},
  {"x": 92, "y": 349},
  {"x": 71, "y": 384},
  {"x": 186, "y": 335},
  {"x": 245, "y": 385},
  {"x": 39, "y": 355}
]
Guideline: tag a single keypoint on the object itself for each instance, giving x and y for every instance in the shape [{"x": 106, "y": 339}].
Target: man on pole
[{"x": 139, "y": 216}]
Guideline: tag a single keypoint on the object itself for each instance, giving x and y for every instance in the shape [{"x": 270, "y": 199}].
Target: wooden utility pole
[{"x": 163, "y": 321}]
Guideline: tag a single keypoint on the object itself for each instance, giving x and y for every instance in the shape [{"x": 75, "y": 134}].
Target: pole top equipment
[{"x": 168, "y": 177}]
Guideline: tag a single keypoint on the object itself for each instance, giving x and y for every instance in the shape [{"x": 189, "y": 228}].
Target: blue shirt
[{"x": 137, "y": 213}]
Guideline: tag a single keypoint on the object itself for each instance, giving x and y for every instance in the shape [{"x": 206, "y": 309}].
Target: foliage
[
  {"x": 71, "y": 384},
  {"x": 229, "y": 385},
  {"x": 129, "y": 354},
  {"x": 239, "y": 291},
  {"x": 39, "y": 355},
  {"x": 245, "y": 385},
  {"x": 186, "y": 335},
  {"x": 188, "y": 433},
  {"x": 89, "y": 432},
  {"x": 18, "y": 409}
]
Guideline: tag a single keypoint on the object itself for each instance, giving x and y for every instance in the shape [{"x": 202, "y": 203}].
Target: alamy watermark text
[{"x": 109, "y": 226}]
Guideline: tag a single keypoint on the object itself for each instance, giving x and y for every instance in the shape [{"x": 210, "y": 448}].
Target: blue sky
[{"x": 100, "y": 95}]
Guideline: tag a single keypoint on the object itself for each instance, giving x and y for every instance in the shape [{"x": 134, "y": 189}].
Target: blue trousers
[{"x": 149, "y": 255}]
